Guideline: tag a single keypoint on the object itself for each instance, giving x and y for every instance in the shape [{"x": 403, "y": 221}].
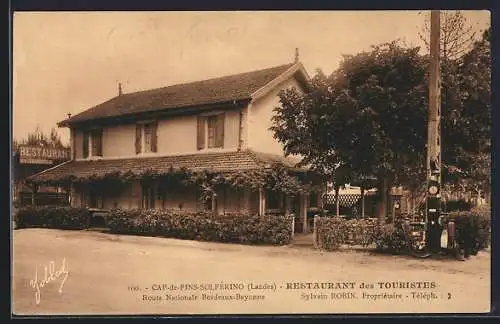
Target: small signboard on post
[{"x": 29, "y": 154}]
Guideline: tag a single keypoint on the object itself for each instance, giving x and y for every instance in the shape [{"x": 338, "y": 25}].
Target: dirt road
[{"x": 97, "y": 273}]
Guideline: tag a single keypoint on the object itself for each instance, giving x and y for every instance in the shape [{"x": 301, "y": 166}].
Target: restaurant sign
[{"x": 29, "y": 154}]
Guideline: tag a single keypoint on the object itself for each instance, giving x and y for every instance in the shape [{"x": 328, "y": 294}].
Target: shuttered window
[
  {"x": 73, "y": 142},
  {"x": 154, "y": 137},
  {"x": 146, "y": 138},
  {"x": 96, "y": 142},
  {"x": 219, "y": 131},
  {"x": 201, "y": 133},
  {"x": 138, "y": 139},
  {"x": 211, "y": 130},
  {"x": 213, "y": 127},
  {"x": 85, "y": 148}
]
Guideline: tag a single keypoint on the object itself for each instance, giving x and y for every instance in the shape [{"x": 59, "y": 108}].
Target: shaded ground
[{"x": 112, "y": 274}]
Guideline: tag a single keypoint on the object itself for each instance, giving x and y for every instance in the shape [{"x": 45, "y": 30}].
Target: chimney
[
  {"x": 69, "y": 115},
  {"x": 120, "y": 92},
  {"x": 296, "y": 55}
]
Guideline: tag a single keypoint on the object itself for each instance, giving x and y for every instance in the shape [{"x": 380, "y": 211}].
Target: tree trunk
[{"x": 382, "y": 206}]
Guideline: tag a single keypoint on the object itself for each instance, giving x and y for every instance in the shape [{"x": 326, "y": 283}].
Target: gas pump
[{"x": 434, "y": 227}]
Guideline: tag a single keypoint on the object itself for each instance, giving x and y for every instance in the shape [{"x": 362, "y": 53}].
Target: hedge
[
  {"x": 52, "y": 217},
  {"x": 332, "y": 232},
  {"x": 202, "y": 226},
  {"x": 474, "y": 226}
]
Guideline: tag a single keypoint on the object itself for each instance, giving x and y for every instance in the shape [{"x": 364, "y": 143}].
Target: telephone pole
[{"x": 433, "y": 203}]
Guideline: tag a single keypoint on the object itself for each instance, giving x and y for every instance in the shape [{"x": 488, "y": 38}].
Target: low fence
[{"x": 351, "y": 205}]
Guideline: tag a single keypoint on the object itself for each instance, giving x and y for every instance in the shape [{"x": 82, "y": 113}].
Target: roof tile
[{"x": 217, "y": 162}]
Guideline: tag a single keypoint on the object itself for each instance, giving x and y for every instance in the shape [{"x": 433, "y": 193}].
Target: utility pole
[{"x": 433, "y": 201}]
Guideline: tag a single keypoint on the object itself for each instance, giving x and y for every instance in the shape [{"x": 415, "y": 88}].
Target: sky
[{"x": 67, "y": 62}]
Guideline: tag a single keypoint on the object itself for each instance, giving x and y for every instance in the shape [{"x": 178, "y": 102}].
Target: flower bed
[{"x": 276, "y": 230}]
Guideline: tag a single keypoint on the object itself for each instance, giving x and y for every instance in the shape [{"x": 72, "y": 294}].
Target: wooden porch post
[
  {"x": 33, "y": 192},
  {"x": 262, "y": 202},
  {"x": 287, "y": 205},
  {"x": 71, "y": 194},
  {"x": 214, "y": 203},
  {"x": 362, "y": 202}
]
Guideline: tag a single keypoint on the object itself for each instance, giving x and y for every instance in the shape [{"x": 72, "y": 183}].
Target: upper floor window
[
  {"x": 146, "y": 138},
  {"x": 92, "y": 143},
  {"x": 210, "y": 131}
]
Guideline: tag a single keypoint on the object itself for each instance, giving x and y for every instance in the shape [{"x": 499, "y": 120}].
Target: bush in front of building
[
  {"x": 202, "y": 226},
  {"x": 473, "y": 228},
  {"x": 333, "y": 232},
  {"x": 390, "y": 239},
  {"x": 57, "y": 217}
]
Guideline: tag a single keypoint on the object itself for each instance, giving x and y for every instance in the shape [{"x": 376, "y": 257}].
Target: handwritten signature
[{"x": 50, "y": 275}]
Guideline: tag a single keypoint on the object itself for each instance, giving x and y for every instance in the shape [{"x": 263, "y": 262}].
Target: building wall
[
  {"x": 118, "y": 141},
  {"x": 183, "y": 199},
  {"x": 260, "y": 112},
  {"x": 176, "y": 135},
  {"x": 129, "y": 196}
]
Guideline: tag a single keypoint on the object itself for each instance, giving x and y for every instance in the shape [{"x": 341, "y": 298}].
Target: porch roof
[{"x": 216, "y": 162}]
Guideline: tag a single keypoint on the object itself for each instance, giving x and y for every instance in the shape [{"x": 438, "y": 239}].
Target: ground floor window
[
  {"x": 92, "y": 196},
  {"x": 275, "y": 200}
]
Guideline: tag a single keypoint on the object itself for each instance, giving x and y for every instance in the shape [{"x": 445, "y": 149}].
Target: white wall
[
  {"x": 176, "y": 135},
  {"x": 260, "y": 112},
  {"x": 118, "y": 141}
]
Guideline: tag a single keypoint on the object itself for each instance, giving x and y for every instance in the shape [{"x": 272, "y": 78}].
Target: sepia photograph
[{"x": 251, "y": 162}]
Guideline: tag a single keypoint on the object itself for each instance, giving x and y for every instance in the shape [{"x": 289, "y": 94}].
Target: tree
[
  {"x": 457, "y": 35},
  {"x": 368, "y": 116},
  {"x": 468, "y": 149},
  {"x": 39, "y": 138}
]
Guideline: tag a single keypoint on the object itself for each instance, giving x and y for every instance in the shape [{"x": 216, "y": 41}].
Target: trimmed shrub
[
  {"x": 391, "y": 239},
  {"x": 52, "y": 217},
  {"x": 203, "y": 226},
  {"x": 332, "y": 232},
  {"x": 473, "y": 226}
]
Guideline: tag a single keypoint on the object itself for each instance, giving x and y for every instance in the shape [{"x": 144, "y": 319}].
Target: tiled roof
[
  {"x": 216, "y": 90},
  {"x": 217, "y": 162}
]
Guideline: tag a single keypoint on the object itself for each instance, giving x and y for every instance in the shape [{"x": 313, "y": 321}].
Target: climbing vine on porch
[{"x": 276, "y": 178}]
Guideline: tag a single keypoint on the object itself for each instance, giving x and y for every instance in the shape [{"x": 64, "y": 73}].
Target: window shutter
[
  {"x": 219, "y": 135},
  {"x": 154, "y": 137},
  {"x": 85, "y": 144},
  {"x": 96, "y": 142},
  {"x": 73, "y": 142},
  {"x": 99, "y": 142},
  {"x": 138, "y": 139},
  {"x": 201, "y": 133}
]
